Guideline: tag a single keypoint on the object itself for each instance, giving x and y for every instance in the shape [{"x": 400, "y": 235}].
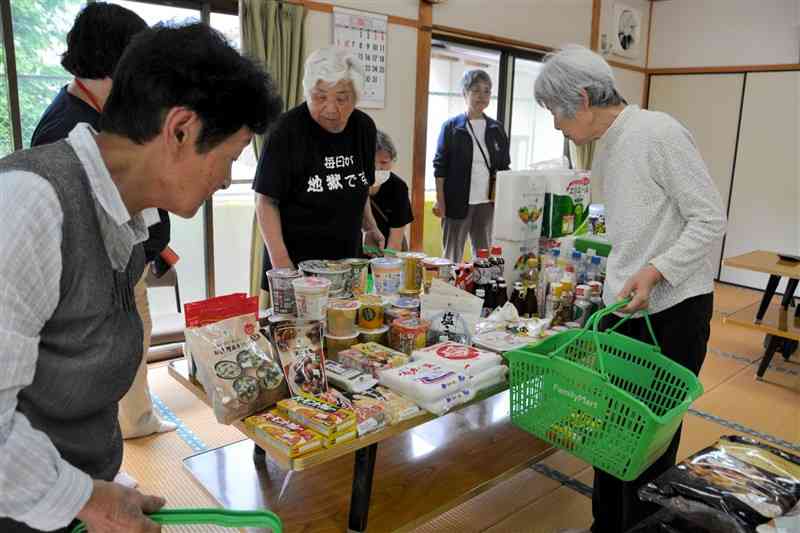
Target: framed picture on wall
[{"x": 627, "y": 30}]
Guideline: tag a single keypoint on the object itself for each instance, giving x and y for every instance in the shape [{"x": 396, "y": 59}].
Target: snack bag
[
  {"x": 235, "y": 363},
  {"x": 299, "y": 347},
  {"x": 741, "y": 483}
]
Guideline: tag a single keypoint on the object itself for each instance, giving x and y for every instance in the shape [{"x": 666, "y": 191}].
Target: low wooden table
[
  {"x": 782, "y": 329},
  {"x": 427, "y": 465}
]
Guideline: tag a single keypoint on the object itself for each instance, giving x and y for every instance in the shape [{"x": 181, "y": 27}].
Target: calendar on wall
[{"x": 365, "y": 34}]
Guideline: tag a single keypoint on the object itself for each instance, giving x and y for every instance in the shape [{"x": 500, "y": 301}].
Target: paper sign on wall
[{"x": 365, "y": 34}]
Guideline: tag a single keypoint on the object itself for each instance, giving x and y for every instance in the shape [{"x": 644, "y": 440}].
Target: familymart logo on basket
[{"x": 571, "y": 394}]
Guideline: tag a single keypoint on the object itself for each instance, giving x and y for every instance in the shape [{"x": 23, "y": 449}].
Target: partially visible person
[
  {"x": 183, "y": 106},
  {"x": 316, "y": 168},
  {"x": 94, "y": 46},
  {"x": 391, "y": 206},
  {"x": 663, "y": 214},
  {"x": 471, "y": 149}
]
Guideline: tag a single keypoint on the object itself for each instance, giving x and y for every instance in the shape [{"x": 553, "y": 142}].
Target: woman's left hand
[
  {"x": 375, "y": 238},
  {"x": 639, "y": 287}
]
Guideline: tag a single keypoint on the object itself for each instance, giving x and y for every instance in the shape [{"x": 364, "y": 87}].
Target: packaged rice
[
  {"x": 348, "y": 379},
  {"x": 299, "y": 346},
  {"x": 326, "y": 419},
  {"x": 488, "y": 378},
  {"x": 281, "y": 433},
  {"x": 370, "y": 416},
  {"x": 235, "y": 363},
  {"x": 444, "y": 405},
  {"x": 466, "y": 359},
  {"x": 396, "y": 406},
  {"x": 423, "y": 381},
  {"x": 740, "y": 483}
]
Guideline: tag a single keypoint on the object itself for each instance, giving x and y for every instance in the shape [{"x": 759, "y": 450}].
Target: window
[
  {"x": 6, "y": 142},
  {"x": 40, "y": 33}
]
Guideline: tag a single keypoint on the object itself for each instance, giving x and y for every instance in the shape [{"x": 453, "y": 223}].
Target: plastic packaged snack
[
  {"x": 324, "y": 418},
  {"x": 370, "y": 416},
  {"x": 741, "y": 483},
  {"x": 423, "y": 381},
  {"x": 299, "y": 347},
  {"x": 235, "y": 363},
  {"x": 290, "y": 438},
  {"x": 378, "y": 357},
  {"x": 396, "y": 406}
]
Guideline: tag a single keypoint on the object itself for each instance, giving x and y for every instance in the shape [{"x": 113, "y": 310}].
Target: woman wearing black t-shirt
[
  {"x": 389, "y": 196},
  {"x": 316, "y": 168}
]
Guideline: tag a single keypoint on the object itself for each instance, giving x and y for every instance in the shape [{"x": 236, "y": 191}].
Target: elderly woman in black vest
[{"x": 472, "y": 147}]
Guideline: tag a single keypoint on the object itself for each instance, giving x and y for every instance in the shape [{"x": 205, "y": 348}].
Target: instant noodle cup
[
  {"x": 337, "y": 343},
  {"x": 409, "y": 334},
  {"x": 281, "y": 290},
  {"x": 342, "y": 317},
  {"x": 379, "y": 335},
  {"x": 359, "y": 270},
  {"x": 387, "y": 274},
  {"x": 370, "y": 315},
  {"x": 337, "y": 272},
  {"x": 311, "y": 296},
  {"x": 412, "y": 271},
  {"x": 437, "y": 268}
]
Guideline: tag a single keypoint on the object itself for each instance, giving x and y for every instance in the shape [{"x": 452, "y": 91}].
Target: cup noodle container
[
  {"x": 387, "y": 275},
  {"x": 521, "y": 195},
  {"x": 281, "y": 290},
  {"x": 360, "y": 270},
  {"x": 437, "y": 268},
  {"x": 412, "y": 271},
  {"x": 342, "y": 317},
  {"x": 337, "y": 272},
  {"x": 515, "y": 255},
  {"x": 311, "y": 296}
]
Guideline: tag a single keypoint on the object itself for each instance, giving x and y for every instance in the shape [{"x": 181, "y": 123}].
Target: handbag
[{"x": 492, "y": 173}]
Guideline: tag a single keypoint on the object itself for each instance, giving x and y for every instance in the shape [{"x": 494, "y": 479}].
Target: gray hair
[
  {"x": 566, "y": 74},
  {"x": 384, "y": 143},
  {"x": 332, "y": 65},
  {"x": 471, "y": 77}
]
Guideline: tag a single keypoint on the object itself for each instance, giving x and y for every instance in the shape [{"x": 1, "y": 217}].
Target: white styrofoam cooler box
[{"x": 519, "y": 205}]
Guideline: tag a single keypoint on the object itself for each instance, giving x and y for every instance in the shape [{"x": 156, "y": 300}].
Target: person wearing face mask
[
  {"x": 389, "y": 195},
  {"x": 471, "y": 149},
  {"x": 316, "y": 168}
]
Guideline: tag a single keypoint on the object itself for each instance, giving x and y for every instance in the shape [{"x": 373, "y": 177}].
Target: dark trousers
[
  {"x": 11, "y": 526},
  {"x": 682, "y": 332}
]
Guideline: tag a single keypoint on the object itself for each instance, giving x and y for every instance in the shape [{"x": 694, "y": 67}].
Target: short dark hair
[
  {"x": 98, "y": 38},
  {"x": 192, "y": 66}
]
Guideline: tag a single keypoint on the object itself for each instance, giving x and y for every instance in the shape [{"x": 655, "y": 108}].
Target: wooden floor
[{"x": 529, "y": 501}]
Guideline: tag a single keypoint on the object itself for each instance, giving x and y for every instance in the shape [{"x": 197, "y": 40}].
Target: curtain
[{"x": 273, "y": 35}]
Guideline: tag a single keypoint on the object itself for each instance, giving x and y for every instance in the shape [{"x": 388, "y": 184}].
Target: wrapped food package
[
  {"x": 396, "y": 406},
  {"x": 292, "y": 439},
  {"x": 459, "y": 357},
  {"x": 423, "y": 381},
  {"x": 349, "y": 379},
  {"x": 370, "y": 416},
  {"x": 326, "y": 419}
]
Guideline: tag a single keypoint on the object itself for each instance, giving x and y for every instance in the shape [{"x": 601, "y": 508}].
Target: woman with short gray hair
[
  {"x": 663, "y": 215},
  {"x": 316, "y": 169},
  {"x": 389, "y": 195},
  {"x": 471, "y": 149}
]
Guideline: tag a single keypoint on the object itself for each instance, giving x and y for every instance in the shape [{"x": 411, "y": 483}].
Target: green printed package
[{"x": 566, "y": 204}]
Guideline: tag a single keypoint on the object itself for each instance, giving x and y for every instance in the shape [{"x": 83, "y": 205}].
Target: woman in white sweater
[{"x": 663, "y": 214}]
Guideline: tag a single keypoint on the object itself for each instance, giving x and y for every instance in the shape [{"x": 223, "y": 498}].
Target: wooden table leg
[
  {"x": 774, "y": 344},
  {"x": 769, "y": 292},
  {"x": 362, "y": 488}
]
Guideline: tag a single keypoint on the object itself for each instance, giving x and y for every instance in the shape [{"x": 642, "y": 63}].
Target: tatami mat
[{"x": 528, "y": 501}]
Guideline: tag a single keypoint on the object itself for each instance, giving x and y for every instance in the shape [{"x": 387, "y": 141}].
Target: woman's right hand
[{"x": 438, "y": 209}]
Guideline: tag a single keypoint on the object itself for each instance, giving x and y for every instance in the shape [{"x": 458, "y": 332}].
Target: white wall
[
  {"x": 397, "y": 118},
  {"x": 399, "y": 8},
  {"x": 607, "y": 28},
  {"x": 630, "y": 84},
  {"x": 697, "y": 33},
  {"x": 546, "y": 22}
]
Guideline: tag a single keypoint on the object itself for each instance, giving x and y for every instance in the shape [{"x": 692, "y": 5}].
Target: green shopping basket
[
  {"x": 610, "y": 400},
  {"x": 216, "y": 517}
]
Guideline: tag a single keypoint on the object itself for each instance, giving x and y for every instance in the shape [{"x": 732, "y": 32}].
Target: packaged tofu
[
  {"x": 396, "y": 406},
  {"x": 292, "y": 439},
  {"x": 299, "y": 345},
  {"x": 423, "y": 381},
  {"x": 522, "y": 195},
  {"x": 235, "y": 363},
  {"x": 466, "y": 359},
  {"x": 326, "y": 419},
  {"x": 370, "y": 416},
  {"x": 348, "y": 379},
  {"x": 567, "y": 201}
]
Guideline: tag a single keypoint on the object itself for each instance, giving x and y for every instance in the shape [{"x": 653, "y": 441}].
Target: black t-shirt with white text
[
  {"x": 320, "y": 180},
  {"x": 393, "y": 206}
]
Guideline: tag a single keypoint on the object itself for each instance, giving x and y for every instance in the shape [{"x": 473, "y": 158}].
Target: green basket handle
[
  {"x": 216, "y": 517},
  {"x": 386, "y": 252}
]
